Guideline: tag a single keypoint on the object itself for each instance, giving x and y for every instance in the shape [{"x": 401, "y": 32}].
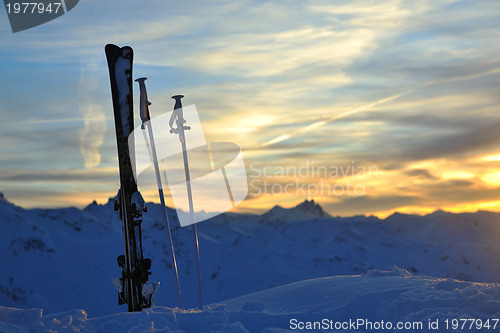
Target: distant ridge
[{"x": 307, "y": 210}]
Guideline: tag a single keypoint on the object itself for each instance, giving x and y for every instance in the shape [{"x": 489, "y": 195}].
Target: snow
[
  {"x": 289, "y": 263},
  {"x": 390, "y": 296}
]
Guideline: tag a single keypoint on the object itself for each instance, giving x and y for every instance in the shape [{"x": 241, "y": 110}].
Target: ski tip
[
  {"x": 141, "y": 79},
  {"x": 176, "y": 97},
  {"x": 111, "y": 48}
]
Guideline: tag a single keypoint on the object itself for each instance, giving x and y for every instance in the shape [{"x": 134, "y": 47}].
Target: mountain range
[{"x": 65, "y": 258}]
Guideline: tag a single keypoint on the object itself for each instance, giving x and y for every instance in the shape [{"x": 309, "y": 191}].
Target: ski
[{"x": 133, "y": 288}]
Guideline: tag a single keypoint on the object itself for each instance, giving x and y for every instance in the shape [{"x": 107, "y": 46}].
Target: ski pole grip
[
  {"x": 178, "y": 103},
  {"x": 144, "y": 103}
]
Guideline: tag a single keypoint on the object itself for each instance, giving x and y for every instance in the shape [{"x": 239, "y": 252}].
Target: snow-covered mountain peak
[
  {"x": 441, "y": 213},
  {"x": 3, "y": 198},
  {"x": 276, "y": 209},
  {"x": 309, "y": 206},
  {"x": 306, "y": 210}
]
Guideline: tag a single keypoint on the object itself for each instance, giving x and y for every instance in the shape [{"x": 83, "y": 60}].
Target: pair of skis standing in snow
[{"x": 133, "y": 287}]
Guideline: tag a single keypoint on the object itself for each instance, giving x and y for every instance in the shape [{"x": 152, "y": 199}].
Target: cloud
[
  {"x": 375, "y": 104},
  {"x": 368, "y": 204},
  {"x": 423, "y": 173},
  {"x": 61, "y": 176},
  {"x": 94, "y": 130},
  {"x": 408, "y": 86},
  {"x": 406, "y": 148}
]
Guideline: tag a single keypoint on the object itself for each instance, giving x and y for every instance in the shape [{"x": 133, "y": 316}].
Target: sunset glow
[{"x": 406, "y": 91}]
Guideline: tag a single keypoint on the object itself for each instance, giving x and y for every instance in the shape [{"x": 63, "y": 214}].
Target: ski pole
[
  {"x": 178, "y": 117},
  {"x": 146, "y": 122}
]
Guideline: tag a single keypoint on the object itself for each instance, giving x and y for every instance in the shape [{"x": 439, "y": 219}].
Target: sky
[{"x": 367, "y": 107}]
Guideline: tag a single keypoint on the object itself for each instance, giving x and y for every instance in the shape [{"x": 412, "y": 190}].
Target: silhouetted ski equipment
[
  {"x": 133, "y": 288},
  {"x": 178, "y": 118},
  {"x": 146, "y": 123}
]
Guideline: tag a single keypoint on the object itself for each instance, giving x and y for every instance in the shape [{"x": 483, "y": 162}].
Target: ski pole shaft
[
  {"x": 165, "y": 217},
  {"x": 193, "y": 224},
  {"x": 147, "y": 123},
  {"x": 180, "y": 121}
]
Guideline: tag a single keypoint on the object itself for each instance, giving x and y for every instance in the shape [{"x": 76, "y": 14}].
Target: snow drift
[{"x": 343, "y": 303}]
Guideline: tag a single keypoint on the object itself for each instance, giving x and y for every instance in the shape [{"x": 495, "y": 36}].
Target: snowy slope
[
  {"x": 358, "y": 303},
  {"x": 59, "y": 259},
  {"x": 54, "y": 257}
]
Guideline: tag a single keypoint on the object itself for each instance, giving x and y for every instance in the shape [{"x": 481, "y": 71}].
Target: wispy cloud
[
  {"x": 373, "y": 105},
  {"x": 94, "y": 130},
  {"x": 408, "y": 86}
]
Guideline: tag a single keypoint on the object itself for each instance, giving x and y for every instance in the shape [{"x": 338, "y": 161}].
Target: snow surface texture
[
  {"x": 392, "y": 297},
  {"x": 60, "y": 259}
]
